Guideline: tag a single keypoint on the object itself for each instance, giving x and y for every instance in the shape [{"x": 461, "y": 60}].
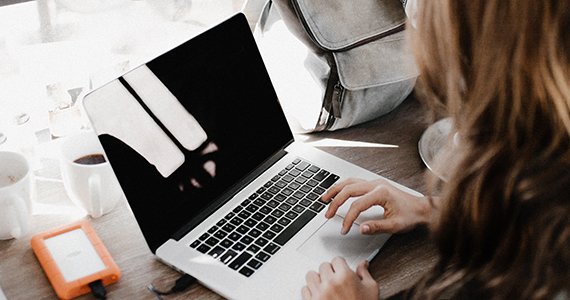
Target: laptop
[{"x": 214, "y": 177}]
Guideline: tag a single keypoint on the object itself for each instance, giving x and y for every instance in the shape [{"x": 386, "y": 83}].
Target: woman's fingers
[
  {"x": 342, "y": 191},
  {"x": 362, "y": 271},
  {"x": 378, "y": 196},
  {"x": 306, "y": 293},
  {"x": 338, "y": 282}
]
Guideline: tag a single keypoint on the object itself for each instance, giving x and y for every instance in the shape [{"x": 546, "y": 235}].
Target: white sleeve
[{"x": 411, "y": 10}]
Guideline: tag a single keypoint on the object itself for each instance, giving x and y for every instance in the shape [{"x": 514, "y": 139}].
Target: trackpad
[{"x": 327, "y": 243}]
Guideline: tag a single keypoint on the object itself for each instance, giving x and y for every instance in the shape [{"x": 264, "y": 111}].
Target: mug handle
[
  {"x": 95, "y": 193},
  {"x": 21, "y": 216}
]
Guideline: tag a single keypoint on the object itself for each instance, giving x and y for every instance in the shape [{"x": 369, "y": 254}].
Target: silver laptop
[{"x": 213, "y": 175}]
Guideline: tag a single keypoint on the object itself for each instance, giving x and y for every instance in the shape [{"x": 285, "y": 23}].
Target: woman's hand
[
  {"x": 402, "y": 211},
  {"x": 336, "y": 280}
]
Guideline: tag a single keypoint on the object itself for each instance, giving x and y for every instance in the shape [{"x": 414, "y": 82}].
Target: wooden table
[{"x": 403, "y": 259}]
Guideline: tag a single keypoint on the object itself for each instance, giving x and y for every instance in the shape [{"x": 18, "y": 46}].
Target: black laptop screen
[{"x": 183, "y": 129}]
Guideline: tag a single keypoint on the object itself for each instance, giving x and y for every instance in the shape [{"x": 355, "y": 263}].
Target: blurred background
[{"x": 53, "y": 51}]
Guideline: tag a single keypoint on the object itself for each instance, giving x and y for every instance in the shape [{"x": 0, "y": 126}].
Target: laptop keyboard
[{"x": 248, "y": 236}]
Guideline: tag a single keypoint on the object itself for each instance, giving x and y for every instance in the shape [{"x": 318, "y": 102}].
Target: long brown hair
[{"x": 501, "y": 70}]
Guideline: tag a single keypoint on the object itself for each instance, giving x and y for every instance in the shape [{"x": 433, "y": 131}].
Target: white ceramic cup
[
  {"x": 16, "y": 192},
  {"x": 91, "y": 186}
]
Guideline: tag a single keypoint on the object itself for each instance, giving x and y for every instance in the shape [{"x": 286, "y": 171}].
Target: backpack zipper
[{"x": 337, "y": 100}]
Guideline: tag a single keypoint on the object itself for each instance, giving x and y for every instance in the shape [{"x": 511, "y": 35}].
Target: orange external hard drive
[{"x": 72, "y": 257}]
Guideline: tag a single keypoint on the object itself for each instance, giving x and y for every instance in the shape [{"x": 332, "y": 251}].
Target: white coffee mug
[
  {"x": 16, "y": 192},
  {"x": 92, "y": 186}
]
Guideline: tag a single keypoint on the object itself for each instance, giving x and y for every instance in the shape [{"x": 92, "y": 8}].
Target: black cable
[
  {"x": 181, "y": 284},
  {"x": 98, "y": 289}
]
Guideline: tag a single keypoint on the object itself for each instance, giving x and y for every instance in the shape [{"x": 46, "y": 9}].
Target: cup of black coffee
[
  {"x": 87, "y": 176},
  {"x": 91, "y": 159}
]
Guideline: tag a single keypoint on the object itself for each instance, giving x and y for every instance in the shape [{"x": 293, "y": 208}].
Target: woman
[{"x": 501, "y": 71}]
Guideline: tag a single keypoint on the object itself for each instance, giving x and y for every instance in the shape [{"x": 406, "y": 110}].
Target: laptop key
[
  {"x": 319, "y": 190},
  {"x": 203, "y": 248},
  {"x": 226, "y": 243},
  {"x": 265, "y": 210},
  {"x": 284, "y": 221},
  {"x": 212, "y": 241},
  {"x": 291, "y": 215},
  {"x": 258, "y": 216},
  {"x": 220, "y": 234},
  {"x": 252, "y": 208},
  {"x": 274, "y": 190},
  {"x": 204, "y": 236},
  {"x": 246, "y": 271},
  {"x": 254, "y": 233},
  {"x": 306, "y": 188},
  {"x": 299, "y": 195},
  {"x": 250, "y": 223},
  {"x": 292, "y": 201},
  {"x": 312, "y": 183},
  {"x": 234, "y": 236},
  {"x": 290, "y": 231},
  {"x": 298, "y": 209},
  {"x": 321, "y": 175},
  {"x": 254, "y": 263},
  {"x": 238, "y": 246},
  {"x": 317, "y": 206},
  {"x": 300, "y": 180},
  {"x": 271, "y": 248},
  {"x": 228, "y": 256},
  {"x": 302, "y": 166},
  {"x": 240, "y": 260},
  {"x": 284, "y": 207},
  {"x": 314, "y": 169},
  {"x": 236, "y": 221},
  {"x": 269, "y": 235},
  {"x": 216, "y": 252},
  {"x": 259, "y": 202},
  {"x": 270, "y": 219},
  {"x": 279, "y": 197},
  {"x": 246, "y": 240},
  {"x": 228, "y": 227},
  {"x": 253, "y": 248},
  {"x": 263, "y": 256},
  {"x": 294, "y": 185},
  {"x": 312, "y": 196},
  {"x": 242, "y": 229},
  {"x": 261, "y": 242},
  {"x": 281, "y": 184},
  {"x": 262, "y": 226},
  {"x": 276, "y": 228},
  {"x": 195, "y": 244},
  {"x": 287, "y": 191},
  {"x": 277, "y": 213},
  {"x": 329, "y": 181},
  {"x": 294, "y": 172}
]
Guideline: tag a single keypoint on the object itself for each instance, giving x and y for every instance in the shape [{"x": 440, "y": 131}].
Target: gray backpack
[{"x": 357, "y": 54}]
